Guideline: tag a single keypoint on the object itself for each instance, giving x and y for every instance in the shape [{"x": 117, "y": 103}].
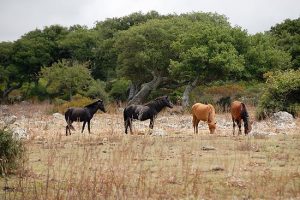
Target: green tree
[
  {"x": 287, "y": 34},
  {"x": 22, "y": 60},
  {"x": 105, "y": 60},
  {"x": 144, "y": 54},
  {"x": 264, "y": 55},
  {"x": 207, "y": 51},
  {"x": 282, "y": 93},
  {"x": 78, "y": 44},
  {"x": 11, "y": 76},
  {"x": 66, "y": 77}
]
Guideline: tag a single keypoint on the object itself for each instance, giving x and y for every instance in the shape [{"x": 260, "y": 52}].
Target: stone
[
  {"x": 19, "y": 133},
  {"x": 58, "y": 116},
  {"x": 10, "y": 119},
  {"x": 208, "y": 148},
  {"x": 283, "y": 120},
  {"x": 159, "y": 132}
]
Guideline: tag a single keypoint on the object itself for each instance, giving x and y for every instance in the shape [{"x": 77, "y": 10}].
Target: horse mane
[
  {"x": 244, "y": 114},
  {"x": 210, "y": 113},
  {"x": 156, "y": 101},
  {"x": 92, "y": 104}
]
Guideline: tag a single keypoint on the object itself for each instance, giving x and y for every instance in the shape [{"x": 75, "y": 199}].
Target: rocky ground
[{"x": 30, "y": 121}]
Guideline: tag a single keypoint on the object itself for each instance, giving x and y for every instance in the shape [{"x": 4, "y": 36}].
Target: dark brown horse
[
  {"x": 82, "y": 115},
  {"x": 238, "y": 113},
  {"x": 144, "y": 112}
]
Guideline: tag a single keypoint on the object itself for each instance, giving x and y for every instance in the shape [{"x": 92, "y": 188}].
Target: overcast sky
[{"x": 18, "y": 17}]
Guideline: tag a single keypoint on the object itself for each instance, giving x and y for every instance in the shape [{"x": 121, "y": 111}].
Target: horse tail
[
  {"x": 67, "y": 114},
  {"x": 125, "y": 114},
  {"x": 245, "y": 115}
]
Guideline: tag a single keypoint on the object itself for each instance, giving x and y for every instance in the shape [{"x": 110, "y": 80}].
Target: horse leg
[
  {"x": 130, "y": 126},
  {"x": 151, "y": 123},
  {"x": 245, "y": 128},
  {"x": 67, "y": 127},
  {"x": 83, "y": 126},
  {"x": 233, "y": 125},
  {"x": 89, "y": 126},
  {"x": 126, "y": 125},
  {"x": 195, "y": 124},
  {"x": 239, "y": 123}
]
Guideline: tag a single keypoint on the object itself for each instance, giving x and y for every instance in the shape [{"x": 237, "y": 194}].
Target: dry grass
[{"x": 110, "y": 165}]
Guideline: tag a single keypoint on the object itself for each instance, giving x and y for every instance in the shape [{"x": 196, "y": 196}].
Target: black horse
[
  {"x": 224, "y": 102},
  {"x": 144, "y": 112},
  {"x": 82, "y": 114}
]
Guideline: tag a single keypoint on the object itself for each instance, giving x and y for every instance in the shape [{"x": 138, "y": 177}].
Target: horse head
[
  {"x": 212, "y": 127},
  {"x": 212, "y": 124},
  {"x": 100, "y": 105},
  {"x": 248, "y": 127},
  {"x": 167, "y": 102}
]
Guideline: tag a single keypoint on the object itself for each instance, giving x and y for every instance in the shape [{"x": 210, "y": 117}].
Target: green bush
[
  {"x": 96, "y": 91},
  {"x": 11, "y": 152},
  {"x": 282, "y": 93},
  {"x": 119, "y": 89}
]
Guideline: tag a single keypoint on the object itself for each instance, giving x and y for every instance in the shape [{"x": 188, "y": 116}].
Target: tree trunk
[
  {"x": 146, "y": 88},
  {"x": 9, "y": 89},
  {"x": 186, "y": 94},
  {"x": 132, "y": 91}
]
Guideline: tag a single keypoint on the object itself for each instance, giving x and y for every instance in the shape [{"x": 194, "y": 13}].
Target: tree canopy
[{"x": 140, "y": 53}]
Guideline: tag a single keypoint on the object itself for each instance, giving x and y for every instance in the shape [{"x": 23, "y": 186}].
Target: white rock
[
  {"x": 159, "y": 132},
  {"x": 283, "y": 120},
  {"x": 282, "y": 116},
  {"x": 58, "y": 116},
  {"x": 19, "y": 133},
  {"x": 10, "y": 119}
]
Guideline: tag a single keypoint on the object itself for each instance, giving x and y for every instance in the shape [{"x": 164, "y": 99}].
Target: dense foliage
[
  {"x": 141, "y": 55},
  {"x": 282, "y": 93}
]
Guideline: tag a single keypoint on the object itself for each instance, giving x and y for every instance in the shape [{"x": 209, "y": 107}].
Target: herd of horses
[{"x": 200, "y": 112}]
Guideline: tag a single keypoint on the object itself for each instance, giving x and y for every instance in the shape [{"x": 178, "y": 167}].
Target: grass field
[{"x": 108, "y": 164}]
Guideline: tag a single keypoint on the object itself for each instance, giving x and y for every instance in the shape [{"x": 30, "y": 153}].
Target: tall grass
[{"x": 111, "y": 165}]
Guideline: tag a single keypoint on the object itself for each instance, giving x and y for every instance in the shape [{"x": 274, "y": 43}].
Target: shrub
[
  {"x": 282, "y": 93},
  {"x": 96, "y": 91},
  {"x": 119, "y": 89},
  {"x": 11, "y": 152}
]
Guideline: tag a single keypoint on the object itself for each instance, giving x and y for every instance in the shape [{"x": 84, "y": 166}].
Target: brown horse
[
  {"x": 205, "y": 113},
  {"x": 238, "y": 113}
]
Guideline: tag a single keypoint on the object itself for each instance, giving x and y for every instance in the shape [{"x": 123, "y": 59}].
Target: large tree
[
  {"x": 288, "y": 38},
  {"x": 105, "y": 60},
  {"x": 144, "y": 54},
  {"x": 264, "y": 55},
  {"x": 22, "y": 60},
  {"x": 11, "y": 76},
  {"x": 208, "y": 51}
]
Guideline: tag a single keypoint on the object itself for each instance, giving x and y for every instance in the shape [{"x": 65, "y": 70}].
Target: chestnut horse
[
  {"x": 238, "y": 113},
  {"x": 205, "y": 113}
]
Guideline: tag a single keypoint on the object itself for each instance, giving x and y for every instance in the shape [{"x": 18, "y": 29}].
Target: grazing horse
[
  {"x": 238, "y": 113},
  {"x": 82, "y": 114},
  {"x": 144, "y": 112},
  {"x": 205, "y": 113}
]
